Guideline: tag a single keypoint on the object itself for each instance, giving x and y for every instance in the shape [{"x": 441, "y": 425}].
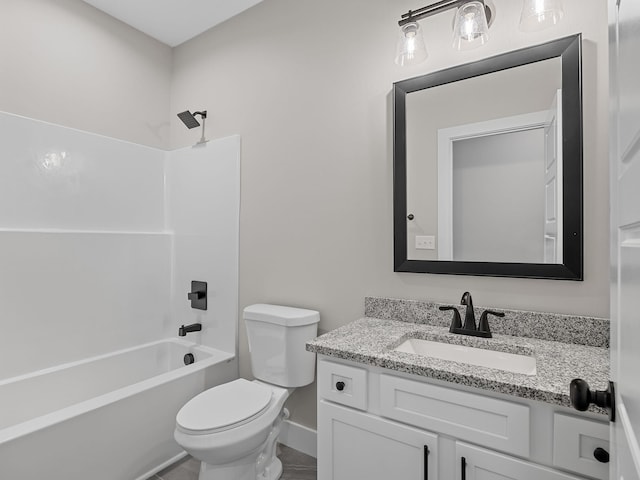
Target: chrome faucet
[{"x": 184, "y": 329}]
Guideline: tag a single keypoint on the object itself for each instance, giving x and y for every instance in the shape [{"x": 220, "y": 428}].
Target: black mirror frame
[{"x": 569, "y": 49}]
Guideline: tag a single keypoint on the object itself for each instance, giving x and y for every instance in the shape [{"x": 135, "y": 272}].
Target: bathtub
[{"x": 110, "y": 417}]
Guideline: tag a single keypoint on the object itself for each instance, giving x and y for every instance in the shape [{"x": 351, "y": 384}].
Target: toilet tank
[{"x": 277, "y": 336}]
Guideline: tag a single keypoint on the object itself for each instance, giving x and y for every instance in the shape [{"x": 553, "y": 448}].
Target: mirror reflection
[{"x": 483, "y": 167}]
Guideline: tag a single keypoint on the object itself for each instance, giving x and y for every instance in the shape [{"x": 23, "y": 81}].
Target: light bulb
[
  {"x": 411, "y": 49},
  {"x": 470, "y": 28}
]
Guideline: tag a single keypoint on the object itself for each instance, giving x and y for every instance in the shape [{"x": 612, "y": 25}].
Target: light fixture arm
[{"x": 435, "y": 8}]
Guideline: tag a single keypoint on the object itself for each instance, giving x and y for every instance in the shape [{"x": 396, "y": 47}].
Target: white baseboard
[
  {"x": 162, "y": 466},
  {"x": 299, "y": 437}
]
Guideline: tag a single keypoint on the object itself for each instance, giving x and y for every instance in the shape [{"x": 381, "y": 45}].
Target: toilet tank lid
[{"x": 281, "y": 315}]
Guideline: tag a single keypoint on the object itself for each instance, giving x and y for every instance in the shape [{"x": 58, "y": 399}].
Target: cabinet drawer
[
  {"x": 486, "y": 421},
  {"x": 574, "y": 442},
  {"x": 342, "y": 384}
]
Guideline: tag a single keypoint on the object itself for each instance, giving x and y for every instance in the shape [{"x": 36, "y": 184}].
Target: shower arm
[
  {"x": 202, "y": 139},
  {"x": 203, "y": 115}
]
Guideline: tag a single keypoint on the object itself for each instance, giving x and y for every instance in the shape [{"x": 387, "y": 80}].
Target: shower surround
[{"x": 99, "y": 241}]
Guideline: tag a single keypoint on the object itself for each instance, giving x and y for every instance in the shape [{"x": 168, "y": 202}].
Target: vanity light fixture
[{"x": 471, "y": 24}]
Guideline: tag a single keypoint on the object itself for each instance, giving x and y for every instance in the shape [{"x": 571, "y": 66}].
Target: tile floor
[{"x": 296, "y": 465}]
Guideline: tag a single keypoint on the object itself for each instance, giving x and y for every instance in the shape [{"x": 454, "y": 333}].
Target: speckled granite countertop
[{"x": 371, "y": 340}]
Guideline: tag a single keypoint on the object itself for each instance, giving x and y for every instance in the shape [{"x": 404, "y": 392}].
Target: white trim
[
  {"x": 556, "y": 111},
  {"x": 162, "y": 466},
  {"x": 629, "y": 433},
  {"x": 72, "y": 231},
  {"x": 299, "y": 437},
  {"x": 446, "y": 137}
]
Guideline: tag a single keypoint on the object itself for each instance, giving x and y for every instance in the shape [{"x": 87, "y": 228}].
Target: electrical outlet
[{"x": 425, "y": 242}]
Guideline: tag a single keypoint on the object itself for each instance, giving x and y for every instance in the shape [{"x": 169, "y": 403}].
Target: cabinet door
[
  {"x": 354, "y": 445},
  {"x": 478, "y": 464}
]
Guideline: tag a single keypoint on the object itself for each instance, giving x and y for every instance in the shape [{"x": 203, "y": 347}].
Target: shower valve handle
[{"x": 198, "y": 295}]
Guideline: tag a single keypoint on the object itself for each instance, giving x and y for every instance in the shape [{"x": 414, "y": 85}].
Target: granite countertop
[{"x": 371, "y": 341}]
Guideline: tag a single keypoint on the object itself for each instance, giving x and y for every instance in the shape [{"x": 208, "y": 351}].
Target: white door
[
  {"x": 553, "y": 183},
  {"x": 353, "y": 445},
  {"x": 624, "y": 44}
]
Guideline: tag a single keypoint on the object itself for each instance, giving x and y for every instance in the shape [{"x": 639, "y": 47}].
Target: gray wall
[
  {"x": 307, "y": 85},
  {"x": 65, "y": 62}
]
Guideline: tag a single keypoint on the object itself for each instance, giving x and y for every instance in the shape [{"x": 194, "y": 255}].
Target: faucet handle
[
  {"x": 198, "y": 295},
  {"x": 456, "y": 321},
  {"x": 483, "y": 325}
]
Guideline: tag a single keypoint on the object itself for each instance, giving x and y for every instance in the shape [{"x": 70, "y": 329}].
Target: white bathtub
[{"x": 109, "y": 417}]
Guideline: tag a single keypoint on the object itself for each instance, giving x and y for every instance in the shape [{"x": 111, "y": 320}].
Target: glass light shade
[
  {"x": 540, "y": 14},
  {"x": 411, "y": 48},
  {"x": 470, "y": 28}
]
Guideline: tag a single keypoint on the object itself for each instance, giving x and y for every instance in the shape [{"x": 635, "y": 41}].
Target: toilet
[{"x": 233, "y": 428}]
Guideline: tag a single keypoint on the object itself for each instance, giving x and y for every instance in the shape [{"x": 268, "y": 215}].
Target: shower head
[{"x": 189, "y": 118}]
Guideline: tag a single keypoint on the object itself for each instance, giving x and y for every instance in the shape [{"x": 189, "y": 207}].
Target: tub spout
[{"x": 184, "y": 329}]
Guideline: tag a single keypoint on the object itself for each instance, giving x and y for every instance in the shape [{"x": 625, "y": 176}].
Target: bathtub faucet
[{"x": 184, "y": 329}]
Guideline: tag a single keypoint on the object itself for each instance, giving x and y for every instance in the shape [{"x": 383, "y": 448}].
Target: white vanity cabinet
[
  {"x": 376, "y": 424},
  {"x": 481, "y": 464},
  {"x": 357, "y": 445}
]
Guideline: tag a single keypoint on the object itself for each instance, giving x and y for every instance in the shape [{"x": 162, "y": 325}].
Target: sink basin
[{"x": 508, "y": 362}]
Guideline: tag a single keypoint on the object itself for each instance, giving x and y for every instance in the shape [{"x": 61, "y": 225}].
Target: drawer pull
[
  {"x": 426, "y": 462},
  {"x": 463, "y": 464},
  {"x": 601, "y": 455},
  {"x": 340, "y": 386}
]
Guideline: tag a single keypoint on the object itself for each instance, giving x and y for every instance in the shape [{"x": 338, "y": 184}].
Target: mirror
[{"x": 488, "y": 166}]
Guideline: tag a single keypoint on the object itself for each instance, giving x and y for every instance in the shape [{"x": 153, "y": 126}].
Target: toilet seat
[{"x": 224, "y": 407}]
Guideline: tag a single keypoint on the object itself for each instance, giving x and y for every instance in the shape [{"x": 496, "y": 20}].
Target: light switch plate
[{"x": 425, "y": 242}]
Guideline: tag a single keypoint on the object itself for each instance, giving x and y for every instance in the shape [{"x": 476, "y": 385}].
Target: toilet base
[
  {"x": 261, "y": 465},
  {"x": 244, "y": 471},
  {"x": 273, "y": 471}
]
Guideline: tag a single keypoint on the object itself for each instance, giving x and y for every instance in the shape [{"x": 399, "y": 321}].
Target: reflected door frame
[{"x": 446, "y": 138}]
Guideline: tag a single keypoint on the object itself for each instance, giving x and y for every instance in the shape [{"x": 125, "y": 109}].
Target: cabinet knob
[
  {"x": 601, "y": 455},
  {"x": 340, "y": 386}
]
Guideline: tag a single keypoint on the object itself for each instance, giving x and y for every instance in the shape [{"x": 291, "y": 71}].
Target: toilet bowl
[{"x": 233, "y": 428}]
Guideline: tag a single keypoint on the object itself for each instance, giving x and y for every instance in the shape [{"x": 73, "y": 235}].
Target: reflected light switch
[{"x": 425, "y": 242}]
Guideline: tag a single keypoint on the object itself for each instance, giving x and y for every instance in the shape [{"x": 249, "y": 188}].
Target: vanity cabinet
[
  {"x": 359, "y": 445},
  {"x": 375, "y": 424},
  {"x": 482, "y": 464}
]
